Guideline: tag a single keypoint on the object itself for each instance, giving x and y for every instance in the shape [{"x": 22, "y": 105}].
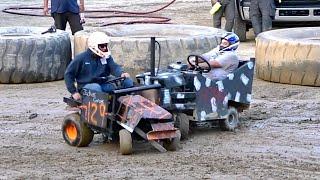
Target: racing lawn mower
[
  {"x": 194, "y": 99},
  {"x": 117, "y": 115}
]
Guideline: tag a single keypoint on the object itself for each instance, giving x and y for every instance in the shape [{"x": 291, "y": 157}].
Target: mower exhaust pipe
[{"x": 153, "y": 56}]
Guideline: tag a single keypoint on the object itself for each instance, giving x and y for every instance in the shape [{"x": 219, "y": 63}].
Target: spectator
[
  {"x": 89, "y": 66},
  {"x": 262, "y": 12},
  {"x": 228, "y": 9},
  {"x": 64, "y": 11}
]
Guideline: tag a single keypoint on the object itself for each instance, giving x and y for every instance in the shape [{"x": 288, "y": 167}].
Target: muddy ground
[{"x": 279, "y": 137}]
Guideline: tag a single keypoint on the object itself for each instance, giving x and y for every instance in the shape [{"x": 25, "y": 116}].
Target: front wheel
[
  {"x": 182, "y": 122},
  {"x": 125, "y": 142},
  {"x": 174, "y": 143},
  {"x": 75, "y": 132},
  {"x": 232, "y": 120}
]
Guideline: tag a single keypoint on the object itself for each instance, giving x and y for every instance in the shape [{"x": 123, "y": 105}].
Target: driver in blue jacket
[{"x": 94, "y": 63}]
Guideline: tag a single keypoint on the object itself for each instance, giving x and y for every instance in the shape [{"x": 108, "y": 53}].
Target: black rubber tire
[
  {"x": 182, "y": 122},
  {"x": 232, "y": 120},
  {"x": 84, "y": 134},
  {"x": 125, "y": 142},
  {"x": 130, "y": 44},
  {"x": 28, "y": 57},
  {"x": 289, "y": 56},
  {"x": 240, "y": 26},
  {"x": 172, "y": 144}
]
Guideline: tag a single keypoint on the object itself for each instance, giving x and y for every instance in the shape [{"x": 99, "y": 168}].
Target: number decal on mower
[
  {"x": 95, "y": 108},
  {"x": 94, "y": 112}
]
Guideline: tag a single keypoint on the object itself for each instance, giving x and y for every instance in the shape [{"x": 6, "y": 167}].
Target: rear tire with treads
[{"x": 75, "y": 132}]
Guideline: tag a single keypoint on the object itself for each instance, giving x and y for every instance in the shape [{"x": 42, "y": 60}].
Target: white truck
[{"x": 289, "y": 13}]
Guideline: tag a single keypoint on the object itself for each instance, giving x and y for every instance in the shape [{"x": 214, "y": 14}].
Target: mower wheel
[
  {"x": 182, "y": 122},
  {"x": 125, "y": 142},
  {"x": 75, "y": 132},
  {"x": 174, "y": 143},
  {"x": 232, "y": 120}
]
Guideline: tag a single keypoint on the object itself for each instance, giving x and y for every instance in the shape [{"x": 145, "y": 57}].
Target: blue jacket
[
  {"x": 62, "y": 6},
  {"x": 86, "y": 67}
]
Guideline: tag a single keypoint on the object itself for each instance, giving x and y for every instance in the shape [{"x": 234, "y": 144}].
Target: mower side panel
[{"x": 213, "y": 96}]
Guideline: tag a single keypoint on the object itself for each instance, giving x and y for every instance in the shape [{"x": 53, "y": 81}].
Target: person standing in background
[
  {"x": 64, "y": 11},
  {"x": 228, "y": 9},
  {"x": 262, "y": 12}
]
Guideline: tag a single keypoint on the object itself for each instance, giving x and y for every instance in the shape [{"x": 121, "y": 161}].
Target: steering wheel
[
  {"x": 116, "y": 80},
  {"x": 196, "y": 66}
]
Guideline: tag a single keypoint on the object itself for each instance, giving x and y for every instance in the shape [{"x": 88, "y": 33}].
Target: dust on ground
[{"x": 279, "y": 137}]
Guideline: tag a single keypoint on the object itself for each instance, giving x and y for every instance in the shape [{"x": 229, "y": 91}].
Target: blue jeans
[{"x": 108, "y": 87}]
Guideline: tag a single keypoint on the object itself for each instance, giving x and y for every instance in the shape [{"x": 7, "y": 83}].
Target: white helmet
[{"x": 97, "y": 38}]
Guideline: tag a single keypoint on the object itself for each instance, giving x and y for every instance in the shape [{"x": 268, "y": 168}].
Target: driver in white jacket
[{"x": 223, "y": 59}]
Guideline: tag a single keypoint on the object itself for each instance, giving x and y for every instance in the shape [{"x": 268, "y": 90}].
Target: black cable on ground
[{"x": 115, "y": 14}]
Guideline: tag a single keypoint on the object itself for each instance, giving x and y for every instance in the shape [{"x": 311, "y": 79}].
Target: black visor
[{"x": 102, "y": 46}]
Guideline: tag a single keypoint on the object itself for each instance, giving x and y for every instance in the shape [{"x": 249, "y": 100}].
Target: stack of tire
[
  {"x": 289, "y": 56},
  {"x": 27, "y": 56}
]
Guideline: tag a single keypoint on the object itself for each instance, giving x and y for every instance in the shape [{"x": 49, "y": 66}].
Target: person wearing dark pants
[
  {"x": 64, "y": 11},
  {"x": 262, "y": 12},
  {"x": 228, "y": 9}
]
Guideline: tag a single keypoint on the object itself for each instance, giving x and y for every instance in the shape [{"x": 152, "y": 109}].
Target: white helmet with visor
[{"x": 98, "y": 44}]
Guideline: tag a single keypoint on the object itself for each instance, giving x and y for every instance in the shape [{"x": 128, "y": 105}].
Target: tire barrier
[
  {"x": 27, "y": 56},
  {"x": 289, "y": 56}
]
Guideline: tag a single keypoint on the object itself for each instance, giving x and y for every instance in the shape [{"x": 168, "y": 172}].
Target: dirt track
[{"x": 279, "y": 137}]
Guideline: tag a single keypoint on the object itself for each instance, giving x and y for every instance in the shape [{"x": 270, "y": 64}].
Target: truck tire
[
  {"x": 28, "y": 57},
  {"x": 289, "y": 56},
  {"x": 240, "y": 26},
  {"x": 130, "y": 43}
]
